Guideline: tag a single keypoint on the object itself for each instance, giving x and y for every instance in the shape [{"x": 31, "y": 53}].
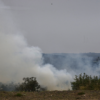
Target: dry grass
[{"x": 51, "y": 95}]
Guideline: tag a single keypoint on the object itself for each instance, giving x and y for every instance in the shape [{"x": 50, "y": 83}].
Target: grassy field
[{"x": 51, "y": 95}]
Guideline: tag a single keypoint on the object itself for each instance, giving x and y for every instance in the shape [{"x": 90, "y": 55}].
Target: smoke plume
[{"x": 18, "y": 60}]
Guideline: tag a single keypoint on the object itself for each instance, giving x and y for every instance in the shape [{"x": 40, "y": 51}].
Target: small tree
[{"x": 29, "y": 84}]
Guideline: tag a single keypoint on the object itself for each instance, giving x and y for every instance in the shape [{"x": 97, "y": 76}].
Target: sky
[{"x": 58, "y": 26}]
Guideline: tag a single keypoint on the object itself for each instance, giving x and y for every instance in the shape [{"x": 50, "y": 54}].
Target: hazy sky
[{"x": 58, "y": 26}]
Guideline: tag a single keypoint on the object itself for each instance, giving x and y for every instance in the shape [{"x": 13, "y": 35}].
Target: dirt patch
[{"x": 52, "y": 95}]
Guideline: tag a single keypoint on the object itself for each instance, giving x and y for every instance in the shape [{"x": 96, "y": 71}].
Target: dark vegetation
[
  {"x": 18, "y": 94},
  {"x": 29, "y": 84},
  {"x": 82, "y": 82},
  {"x": 86, "y": 82},
  {"x": 81, "y": 93},
  {"x": 84, "y": 87}
]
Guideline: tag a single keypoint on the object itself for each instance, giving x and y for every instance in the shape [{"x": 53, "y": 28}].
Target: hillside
[{"x": 62, "y": 60}]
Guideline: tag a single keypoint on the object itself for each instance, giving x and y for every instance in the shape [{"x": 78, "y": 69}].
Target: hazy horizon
[{"x": 58, "y": 26}]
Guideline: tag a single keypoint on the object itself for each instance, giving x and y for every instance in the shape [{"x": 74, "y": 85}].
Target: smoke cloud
[
  {"x": 18, "y": 60},
  {"x": 75, "y": 63}
]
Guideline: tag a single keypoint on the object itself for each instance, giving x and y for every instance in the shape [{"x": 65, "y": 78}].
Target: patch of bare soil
[{"x": 52, "y": 95}]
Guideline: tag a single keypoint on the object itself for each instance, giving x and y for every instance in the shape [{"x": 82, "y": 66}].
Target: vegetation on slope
[{"x": 86, "y": 82}]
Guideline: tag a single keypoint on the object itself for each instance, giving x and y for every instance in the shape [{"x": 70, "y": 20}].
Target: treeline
[
  {"x": 82, "y": 82},
  {"x": 29, "y": 84},
  {"x": 7, "y": 86},
  {"x": 85, "y": 82}
]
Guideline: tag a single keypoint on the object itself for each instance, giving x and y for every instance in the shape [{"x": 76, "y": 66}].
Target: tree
[{"x": 29, "y": 84}]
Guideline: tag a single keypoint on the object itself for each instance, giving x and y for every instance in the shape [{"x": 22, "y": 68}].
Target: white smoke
[{"x": 18, "y": 60}]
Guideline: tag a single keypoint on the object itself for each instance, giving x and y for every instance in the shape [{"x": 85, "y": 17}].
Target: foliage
[
  {"x": 86, "y": 82},
  {"x": 18, "y": 95},
  {"x": 29, "y": 84}
]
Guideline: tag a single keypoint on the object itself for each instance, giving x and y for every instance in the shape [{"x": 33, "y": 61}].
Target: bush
[
  {"x": 81, "y": 93},
  {"x": 86, "y": 82},
  {"x": 18, "y": 95},
  {"x": 29, "y": 84}
]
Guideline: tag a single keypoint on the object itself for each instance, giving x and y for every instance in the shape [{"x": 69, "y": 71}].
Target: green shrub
[
  {"x": 18, "y": 95},
  {"x": 85, "y": 82},
  {"x": 81, "y": 93}
]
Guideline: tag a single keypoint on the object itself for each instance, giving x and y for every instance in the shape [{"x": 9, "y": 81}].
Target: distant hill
[{"x": 72, "y": 60}]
